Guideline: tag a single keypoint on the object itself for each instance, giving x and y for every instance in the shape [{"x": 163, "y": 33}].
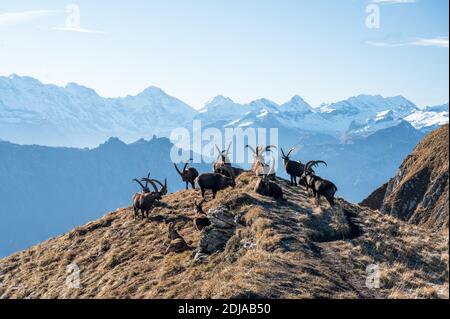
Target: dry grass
[{"x": 280, "y": 250}]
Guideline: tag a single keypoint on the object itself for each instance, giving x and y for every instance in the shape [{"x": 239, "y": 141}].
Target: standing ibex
[
  {"x": 200, "y": 220},
  {"x": 188, "y": 175},
  {"x": 293, "y": 169},
  {"x": 215, "y": 181},
  {"x": 136, "y": 197},
  {"x": 259, "y": 167},
  {"x": 266, "y": 187},
  {"x": 319, "y": 186},
  {"x": 146, "y": 201}
]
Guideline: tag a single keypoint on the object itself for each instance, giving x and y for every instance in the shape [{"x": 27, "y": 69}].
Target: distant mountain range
[{"x": 35, "y": 113}]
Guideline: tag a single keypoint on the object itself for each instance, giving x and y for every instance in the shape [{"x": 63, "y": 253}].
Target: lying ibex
[
  {"x": 200, "y": 220},
  {"x": 293, "y": 169},
  {"x": 266, "y": 187},
  {"x": 146, "y": 201},
  {"x": 177, "y": 243},
  {"x": 188, "y": 175},
  {"x": 319, "y": 186},
  {"x": 259, "y": 167},
  {"x": 215, "y": 182}
]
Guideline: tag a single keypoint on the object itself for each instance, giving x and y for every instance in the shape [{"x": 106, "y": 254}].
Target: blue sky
[{"x": 321, "y": 50}]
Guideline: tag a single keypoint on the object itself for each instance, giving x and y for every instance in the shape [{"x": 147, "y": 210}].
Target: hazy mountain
[{"x": 46, "y": 191}]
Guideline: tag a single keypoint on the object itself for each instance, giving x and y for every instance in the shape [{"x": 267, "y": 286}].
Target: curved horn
[
  {"x": 218, "y": 149},
  {"x": 228, "y": 149},
  {"x": 186, "y": 165},
  {"x": 137, "y": 181},
  {"x": 163, "y": 189},
  {"x": 146, "y": 184},
  {"x": 151, "y": 183},
  {"x": 251, "y": 148},
  {"x": 178, "y": 170},
  {"x": 321, "y": 162},
  {"x": 272, "y": 168},
  {"x": 290, "y": 151},
  {"x": 282, "y": 152},
  {"x": 308, "y": 166}
]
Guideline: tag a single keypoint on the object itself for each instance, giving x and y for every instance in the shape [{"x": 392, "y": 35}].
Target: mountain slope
[
  {"x": 259, "y": 248},
  {"x": 419, "y": 191},
  {"x": 67, "y": 187}
]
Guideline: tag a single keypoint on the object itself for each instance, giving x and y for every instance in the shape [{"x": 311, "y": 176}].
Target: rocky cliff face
[{"x": 419, "y": 191}]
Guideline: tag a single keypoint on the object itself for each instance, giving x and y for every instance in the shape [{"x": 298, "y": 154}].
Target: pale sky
[{"x": 322, "y": 50}]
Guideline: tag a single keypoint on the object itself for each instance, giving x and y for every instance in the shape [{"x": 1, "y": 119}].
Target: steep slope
[
  {"x": 419, "y": 191},
  {"x": 256, "y": 248}
]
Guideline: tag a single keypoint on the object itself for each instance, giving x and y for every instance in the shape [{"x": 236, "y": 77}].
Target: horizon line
[{"x": 216, "y": 96}]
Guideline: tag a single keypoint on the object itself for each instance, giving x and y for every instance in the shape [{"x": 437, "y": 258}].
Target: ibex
[
  {"x": 136, "y": 197},
  {"x": 147, "y": 200},
  {"x": 266, "y": 187},
  {"x": 319, "y": 186},
  {"x": 201, "y": 220},
  {"x": 177, "y": 243},
  {"x": 259, "y": 167},
  {"x": 215, "y": 182},
  {"x": 222, "y": 159},
  {"x": 293, "y": 169},
  {"x": 188, "y": 175}
]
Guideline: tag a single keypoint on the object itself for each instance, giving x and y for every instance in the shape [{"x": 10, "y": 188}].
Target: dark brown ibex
[
  {"x": 319, "y": 186},
  {"x": 215, "y": 182},
  {"x": 201, "y": 221},
  {"x": 146, "y": 201},
  {"x": 259, "y": 167},
  {"x": 293, "y": 169},
  {"x": 177, "y": 243},
  {"x": 188, "y": 175},
  {"x": 268, "y": 188},
  {"x": 136, "y": 197}
]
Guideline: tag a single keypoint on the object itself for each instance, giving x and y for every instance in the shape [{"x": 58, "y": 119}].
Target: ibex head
[
  {"x": 287, "y": 157},
  {"x": 309, "y": 167}
]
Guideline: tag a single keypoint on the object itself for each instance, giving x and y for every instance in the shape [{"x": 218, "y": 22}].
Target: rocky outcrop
[
  {"x": 419, "y": 191},
  {"x": 215, "y": 237}
]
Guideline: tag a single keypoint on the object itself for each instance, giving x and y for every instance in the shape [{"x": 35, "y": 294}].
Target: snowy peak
[{"x": 296, "y": 104}]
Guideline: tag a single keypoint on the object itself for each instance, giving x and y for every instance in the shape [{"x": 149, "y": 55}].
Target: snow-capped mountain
[
  {"x": 430, "y": 118},
  {"x": 35, "y": 113}
]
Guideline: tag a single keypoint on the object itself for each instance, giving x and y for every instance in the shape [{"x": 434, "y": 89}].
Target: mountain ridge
[{"x": 257, "y": 248}]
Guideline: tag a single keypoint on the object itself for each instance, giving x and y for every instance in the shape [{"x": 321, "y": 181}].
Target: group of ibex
[
  {"x": 308, "y": 178},
  {"x": 223, "y": 176}
]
